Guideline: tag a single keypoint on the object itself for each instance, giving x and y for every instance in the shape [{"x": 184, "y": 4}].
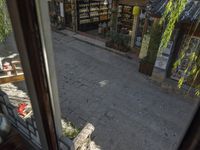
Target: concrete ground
[{"x": 128, "y": 111}]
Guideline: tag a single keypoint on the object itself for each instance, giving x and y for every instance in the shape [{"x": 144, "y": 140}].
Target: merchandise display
[
  {"x": 125, "y": 21},
  {"x": 91, "y": 13},
  {"x": 125, "y": 18}
]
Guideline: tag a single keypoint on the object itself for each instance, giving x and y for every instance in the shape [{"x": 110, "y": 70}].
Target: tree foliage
[
  {"x": 5, "y": 25},
  {"x": 171, "y": 15}
]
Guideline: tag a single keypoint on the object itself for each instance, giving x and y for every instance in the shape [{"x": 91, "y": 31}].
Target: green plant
[
  {"x": 171, "y": 15},
  {"x": 5, "y": 25},
  {"x": 192, "y": 71},
  {"x": 69, "y": 129},
  {"x": 119, "y": 39},
  {"x": 126, "y": 40},
  {"x": 154, "y": 43}
]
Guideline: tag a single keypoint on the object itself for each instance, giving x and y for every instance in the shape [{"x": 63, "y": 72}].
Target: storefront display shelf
[
  {"x": 125, "y": 17},
  {"x": 97, "y": 13}
]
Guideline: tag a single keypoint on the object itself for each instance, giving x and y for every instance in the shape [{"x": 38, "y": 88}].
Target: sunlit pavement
[{"x": 128, "y": 111}]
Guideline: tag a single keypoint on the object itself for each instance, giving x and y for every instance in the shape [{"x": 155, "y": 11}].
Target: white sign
[
  {"x": 168, "y": 49},
  {"x": 161, "y": 62}
]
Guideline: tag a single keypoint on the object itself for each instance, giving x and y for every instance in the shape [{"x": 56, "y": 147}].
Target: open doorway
[{"x": 68, "y": 13}]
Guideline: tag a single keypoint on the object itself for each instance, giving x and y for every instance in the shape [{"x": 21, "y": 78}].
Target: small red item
[{"x": 21, "y": 109}]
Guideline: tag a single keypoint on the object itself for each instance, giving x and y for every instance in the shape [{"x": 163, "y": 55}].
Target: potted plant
[
  {"x": 147, "y": 63},
  {"x": 118, "y": 41},
  {"x": 146, "y": 67},
  {"x": 126, "y": 43},
  {"x": 110, "y": 42}
]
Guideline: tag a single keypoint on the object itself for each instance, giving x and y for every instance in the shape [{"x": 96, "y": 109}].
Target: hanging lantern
[
  {"x": 105, "y": 2},
  {"x": 136, "y": 10}
]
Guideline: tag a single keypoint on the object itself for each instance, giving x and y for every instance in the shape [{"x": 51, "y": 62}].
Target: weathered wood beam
[{"x": 10, "y": 79}]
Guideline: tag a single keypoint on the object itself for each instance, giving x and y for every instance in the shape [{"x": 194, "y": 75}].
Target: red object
[{"x": 21, "y": 109}]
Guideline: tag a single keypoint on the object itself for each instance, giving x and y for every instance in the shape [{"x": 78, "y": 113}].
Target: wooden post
[
  {"x": 133, "y": 33},
  {"x": 145, "y": 26},
  {"x": 136, "y": 12},
  {"x": 115, "y": 4},
  {"x": 74, "y": 16}
]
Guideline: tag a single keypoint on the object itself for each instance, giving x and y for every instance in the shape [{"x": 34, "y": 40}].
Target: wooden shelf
[
  {"x": 10, "y": 79},
  {"x": 98, "y": 8},
  {"x": 121, "y": 15}
]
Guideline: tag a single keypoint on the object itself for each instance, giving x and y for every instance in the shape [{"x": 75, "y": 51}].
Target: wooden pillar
[
  {"x": 136, "y": 12},
  {"x": 145, "y": 26},
  {"x": 74, "y": 15},
  {"x": 62, "y": 14},
  {"x": 134, "y": 29},
  {"x": 115, "y": 4}
]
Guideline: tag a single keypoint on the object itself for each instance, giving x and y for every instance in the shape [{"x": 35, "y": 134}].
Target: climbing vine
[
  {"x": 171, "y": 15},
  {"x": 172, "y": 12},
  {"x": 5, "y": 25}
]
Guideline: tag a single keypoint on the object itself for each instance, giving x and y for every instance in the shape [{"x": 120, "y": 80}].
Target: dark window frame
[
  {"x": 26, "y": 29},
  {"x": 24, "y": 19}
]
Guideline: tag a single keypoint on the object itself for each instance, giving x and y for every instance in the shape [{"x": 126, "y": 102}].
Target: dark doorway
[{"x": 68, "y": 13}]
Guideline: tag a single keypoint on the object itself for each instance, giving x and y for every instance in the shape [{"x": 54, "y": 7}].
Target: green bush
[{"x": 119, "y": 39}]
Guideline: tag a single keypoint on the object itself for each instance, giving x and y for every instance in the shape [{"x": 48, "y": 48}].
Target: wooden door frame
[{"x": 34, "y": 50}]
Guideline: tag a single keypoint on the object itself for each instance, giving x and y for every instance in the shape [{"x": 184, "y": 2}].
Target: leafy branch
[
  {"x": 171, "y": 15},
  {"x": 172, "y": 12},
  {"x": 5, "y": 25}
]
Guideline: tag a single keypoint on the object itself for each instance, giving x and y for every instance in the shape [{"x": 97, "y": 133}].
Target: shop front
[
  {"x": 177, "y": 60},
  {"x": 93, "y": 17},
  {"x": 68, "y": 10},
  {"x": 180, "y": 60},
  {"x": 129, "y": 22},
  {"x": 131, "y": 16}
]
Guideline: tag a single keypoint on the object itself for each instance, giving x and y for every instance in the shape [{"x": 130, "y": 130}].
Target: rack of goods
[
  {"x": 91, "y": 13},
  {"x": 11, "y": 72},
  {"x": 125, "y": 18}
]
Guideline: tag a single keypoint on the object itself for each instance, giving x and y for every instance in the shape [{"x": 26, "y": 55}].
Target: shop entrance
[
  {"x": 125, "y": 22},
  {"x": 68, "y": 13},
  {"x": 93, "y": 17}
]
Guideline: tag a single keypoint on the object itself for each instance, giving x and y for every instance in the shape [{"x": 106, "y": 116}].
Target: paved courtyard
[{"x": 128, "y": 111}]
